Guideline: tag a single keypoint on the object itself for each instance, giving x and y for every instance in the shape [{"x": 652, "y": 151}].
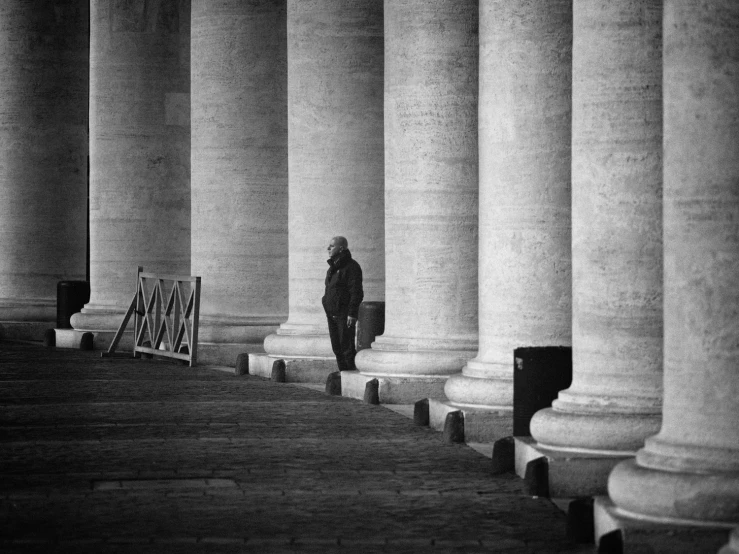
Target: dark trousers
[{"x": 342, "y": 342}]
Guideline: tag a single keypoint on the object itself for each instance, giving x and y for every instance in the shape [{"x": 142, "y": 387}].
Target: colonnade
[{"x": 532, "y": 173}]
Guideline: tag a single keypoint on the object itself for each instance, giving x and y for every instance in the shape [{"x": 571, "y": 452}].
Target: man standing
[{"x": 341, "y": 301}]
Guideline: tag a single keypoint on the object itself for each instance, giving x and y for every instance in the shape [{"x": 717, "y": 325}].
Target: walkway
[{"x": 121, "y": 455}]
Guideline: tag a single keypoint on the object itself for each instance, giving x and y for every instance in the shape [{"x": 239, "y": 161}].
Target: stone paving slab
[{"x": 122, "y": 455}]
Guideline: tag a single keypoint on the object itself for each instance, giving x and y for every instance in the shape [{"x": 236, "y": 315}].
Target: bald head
[{"x": 337, "y": 246}]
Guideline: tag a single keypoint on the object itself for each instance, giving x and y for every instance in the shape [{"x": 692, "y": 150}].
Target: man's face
[{"x": 333, "y": 248}]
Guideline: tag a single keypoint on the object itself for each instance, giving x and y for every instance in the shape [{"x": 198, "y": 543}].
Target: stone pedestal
[
  {"x": 689, "y": 472},
  {"x": 139, "y": 153},
  {"x": 335, "y": 162},
  {"x": 615, "y": 532},
  {"x": 431, "y": 54},
  {"x": 43, "y": 159},
  {"x": 239, "y": 173},
  {"x": 614, "y": 401},
  {"x": 524, "y": 257}
]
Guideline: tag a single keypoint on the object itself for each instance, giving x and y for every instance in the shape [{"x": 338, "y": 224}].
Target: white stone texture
[
  {"x": 524, "y": 250},
  {"x": 239, "y": 172},
  {"x": 690, "y": 470},
  {"x": 431, "y": 180},
  {"x": 43, "y": 158},
  {"x": 614, "y": 401},
  {"x": 139, "y": 151},
  {"x": 335, "y": 159}
]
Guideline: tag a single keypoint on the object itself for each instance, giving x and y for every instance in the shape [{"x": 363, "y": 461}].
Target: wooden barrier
[{"x": 166, "y": 310}]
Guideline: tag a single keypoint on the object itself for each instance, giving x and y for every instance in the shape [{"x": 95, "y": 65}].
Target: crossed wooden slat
[{"x": 158, "y": 322}]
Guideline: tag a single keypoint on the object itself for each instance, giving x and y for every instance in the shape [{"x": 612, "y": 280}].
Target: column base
[
  {"x": 604, "y": 433},
  {"x": 481, "y": 424},
  {"x": 221, "y": 340},
  {"x": 674, "y": 497},
  {"x": 297, "y": 370},
  {"x": 617, "y": 532},
  {"x": 25, "y": 330},
  {"x": 569, "y": 474},
  {"x": 26, "y": 319},
  {"x": 104, "y": 324},
  {"x": 299, "y": 341},
  {"x": 70, "y": 339},
  {"x": 393, "y": 389},
  {"x": 485, "y": 392}
]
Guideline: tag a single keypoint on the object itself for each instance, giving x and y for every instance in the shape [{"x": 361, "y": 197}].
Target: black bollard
[
  {"x": 421, "y": 412},
  {"x": 372, "y": 392},
  {"x": 278, "y": 371},
  {"x": 242, "y": 364},
  {"x": 87, "y": 342},
  {"x": 333, "y": 383}
]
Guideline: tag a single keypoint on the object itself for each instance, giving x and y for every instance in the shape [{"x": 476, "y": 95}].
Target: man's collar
[{"x": 337, "y": 260}]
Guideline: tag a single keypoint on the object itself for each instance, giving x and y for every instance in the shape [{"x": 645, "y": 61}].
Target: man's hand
[{"x": 350, "y": 321}]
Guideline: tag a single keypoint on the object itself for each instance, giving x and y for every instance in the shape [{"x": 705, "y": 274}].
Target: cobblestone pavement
[{"x": 123, "y": 455}]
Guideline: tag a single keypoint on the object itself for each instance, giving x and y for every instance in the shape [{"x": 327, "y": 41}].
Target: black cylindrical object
[
  {"x": 71, "y": 297},
  {"x": 539, "y": 373},
  {"x": 370, "y": 323}
]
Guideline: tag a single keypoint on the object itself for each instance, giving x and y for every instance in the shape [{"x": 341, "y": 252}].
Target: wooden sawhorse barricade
[{"x": 166, "y": 310}]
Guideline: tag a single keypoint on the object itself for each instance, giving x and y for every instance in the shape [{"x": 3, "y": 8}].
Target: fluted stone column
[
  {"x": 239, "y": 173},
  {"x": 139, "y": 152},
  {"x": 689, "y": 472},
  {"x": 335, "y": 164},
  {"x": 43, "y": 159},
  {"x": 431, "y": 54},
  {"x": 614, "y": 401},
  {"x": 524, "y": 257}
]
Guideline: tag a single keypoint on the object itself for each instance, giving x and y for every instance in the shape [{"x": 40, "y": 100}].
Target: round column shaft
[
  {"x": 139, "y": 152},
  {"x": 430, "y": 195},
  {"x": 524, "y": 134},
  {"x": 335, "y": 160},
  {"x": 239, "y": 172},
  {"x": 689, "y": 472},
  {"x": 614, "y": 401},
  {"x": 43, "y": 158}
]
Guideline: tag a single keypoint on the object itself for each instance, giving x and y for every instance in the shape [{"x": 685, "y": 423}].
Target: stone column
[
  {"x": 239, "y": 173},
  {"x": 689, "y": 472},
  {"x": 614, "y": 401},
  {"x": 335, "y": 164},
  {"x": 139, "y": 152},
  {"x": 43, "y": 159},
  {"x": 524, "y": 258},
  {"x": 430, "y": 199}
]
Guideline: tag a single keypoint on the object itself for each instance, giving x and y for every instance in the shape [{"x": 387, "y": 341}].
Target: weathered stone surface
[
  {"x": 44, "y": 79},
  {"x": 430, "y": 191},
  {"x": 139, "y": 152},
  {"x": 691, "y": 468},
  {"x": 149, "y": 456},
  {"x": 614, "y": 401},
  {"x": 524, "y": 134},
  {"x": 239, "y": 170},
  {"x": 335, "y": 158}
]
